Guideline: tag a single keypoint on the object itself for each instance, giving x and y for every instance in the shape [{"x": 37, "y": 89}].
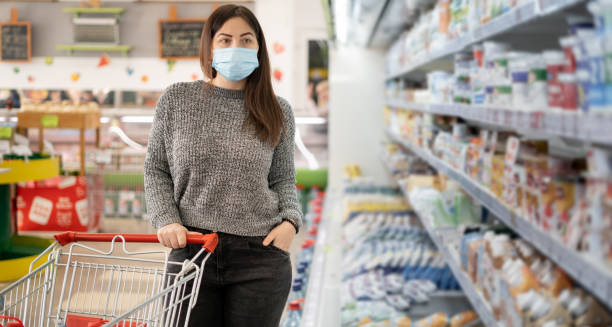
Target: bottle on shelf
[{"x": 293, "y": 318}]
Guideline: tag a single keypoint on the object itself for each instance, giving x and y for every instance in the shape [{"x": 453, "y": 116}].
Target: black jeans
[{"x": 244, "y": 283}]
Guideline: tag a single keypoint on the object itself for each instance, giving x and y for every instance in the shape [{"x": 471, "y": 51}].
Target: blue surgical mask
[{"x": 235, "y": 64}]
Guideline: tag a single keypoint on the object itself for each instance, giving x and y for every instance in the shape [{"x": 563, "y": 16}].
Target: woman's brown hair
[{"x": 264, "y": 111}]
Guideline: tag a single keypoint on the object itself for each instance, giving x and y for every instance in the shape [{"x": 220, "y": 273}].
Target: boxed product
[{"x": 55, "y": 204}]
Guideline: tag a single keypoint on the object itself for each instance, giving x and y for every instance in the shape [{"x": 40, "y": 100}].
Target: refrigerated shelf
[
  {"x": 512, "y": 19},
  {"x": 574, "y": 125},
  {"x": 592, "y": 275}
]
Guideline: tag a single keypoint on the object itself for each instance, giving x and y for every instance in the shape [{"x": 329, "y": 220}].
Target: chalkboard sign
[
  {"x": 180, "y": 39},
  {"x": 15, "y": 41}
]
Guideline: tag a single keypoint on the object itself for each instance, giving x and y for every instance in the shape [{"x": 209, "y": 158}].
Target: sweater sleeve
[
  {"x": 281, "y": 178},
  {"x": 159, "y": 188}
]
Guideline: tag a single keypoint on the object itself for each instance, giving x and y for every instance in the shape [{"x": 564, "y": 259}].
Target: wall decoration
[
  {"x": 49, "y": 61},
  {"x": 129, "y": 70},
  {"x": 179, "y": 38},
  {"x": 104, "y": 60},
  {"x": 75, "y": 77},
  {"x": 31, "y": 79},
  {"x": 16, "y": 70},
  {"x": 194, "y": 77},
  {"x": 278, "y": 75},
  {"x": 144, "y": 78},
  {"x": 171, "y": 64},
  {"x": 278, "y": 48},
  {"x": 15, "y": 39}
]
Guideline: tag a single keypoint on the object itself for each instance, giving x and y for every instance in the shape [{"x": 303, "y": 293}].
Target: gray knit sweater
[{"x": 205, "y": 169}]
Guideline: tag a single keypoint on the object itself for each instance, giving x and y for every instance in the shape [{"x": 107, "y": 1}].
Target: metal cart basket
[{"x": 83, "y": 286}]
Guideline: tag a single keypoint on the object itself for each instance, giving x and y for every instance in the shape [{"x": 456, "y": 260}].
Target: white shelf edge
[
  {"x": 575, "y": 125},
  {"x": 593, "y": 276},
  {"x": 503, "y": 23}
]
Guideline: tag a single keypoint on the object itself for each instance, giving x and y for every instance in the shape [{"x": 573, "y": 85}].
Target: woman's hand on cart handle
[
  {"x": 208, "y": 241},
  {"x": 174, "y": 235}
]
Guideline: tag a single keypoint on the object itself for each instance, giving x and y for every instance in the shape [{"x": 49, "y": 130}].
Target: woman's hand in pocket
[
  {"x": 281, "y": 236},
  {"x": 174, "y": 235}
]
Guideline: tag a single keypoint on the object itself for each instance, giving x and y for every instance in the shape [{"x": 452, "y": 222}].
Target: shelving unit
[
  {"x": 475, "y": 297},
  {"x": 575, "y": 125},
  {"x": 593, "y": 275},
  {"x": 70, "y": 48},
  {"x": 452, "y": 259},
  {"x": 80, "y": 121},
  {"x": 78, "y": 11},
  {"x": 514, "y": 18},
  {"x": 105, "y": 30}
]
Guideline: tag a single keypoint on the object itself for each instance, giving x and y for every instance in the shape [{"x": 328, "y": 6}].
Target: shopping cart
[{"x": 81, "y": 286}]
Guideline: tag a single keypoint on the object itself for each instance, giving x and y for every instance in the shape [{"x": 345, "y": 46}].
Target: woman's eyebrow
[
  {"x": 247, "y": 33},
  {"x": 224, "y": 34}
]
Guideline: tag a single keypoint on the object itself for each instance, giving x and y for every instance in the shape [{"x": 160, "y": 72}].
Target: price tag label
[
  {"x": 49, "y": 121},
  {"x": 6, "y": 132}
]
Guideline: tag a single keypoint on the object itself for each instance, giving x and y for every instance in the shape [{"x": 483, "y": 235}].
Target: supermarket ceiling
[{"x": 371, "y": 23}]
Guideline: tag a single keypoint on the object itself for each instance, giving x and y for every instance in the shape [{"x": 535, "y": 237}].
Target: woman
[{"x": 220, "y": 158}]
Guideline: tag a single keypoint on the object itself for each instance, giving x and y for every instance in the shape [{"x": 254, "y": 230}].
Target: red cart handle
[
  {"x": 209, "y": 241},
  {"x": 16, "y": 323}
]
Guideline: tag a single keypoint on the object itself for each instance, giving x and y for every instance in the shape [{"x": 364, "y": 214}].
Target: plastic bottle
[
  {"x": 301, "y": 270},
  {"x": 296, "y": 293},
  {"x": 293, "y": 318}
]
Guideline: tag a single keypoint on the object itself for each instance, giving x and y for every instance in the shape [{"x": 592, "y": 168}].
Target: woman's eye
[{"x": 247, "y": 41}]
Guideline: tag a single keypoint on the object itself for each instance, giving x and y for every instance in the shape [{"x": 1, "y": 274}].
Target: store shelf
[
  {"x": 70, "y": 48},
  {"x": 501, "y": 24},
  {"x": 575, "y": 125},
  {"x": 592, "y": 275},
  {"x": 469, "y": 291},
  {"x": 78, "y": 11},
  {"x": 33, "y": 170},
  {"x": 32, "y": 119},
  {"x": 478, "y": 301}
]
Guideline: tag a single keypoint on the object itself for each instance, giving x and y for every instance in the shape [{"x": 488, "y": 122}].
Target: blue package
[{"x": 467, "y": 239}]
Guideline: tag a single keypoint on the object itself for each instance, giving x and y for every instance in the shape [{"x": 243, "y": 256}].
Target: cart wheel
[{"x": 15, "y": 323}]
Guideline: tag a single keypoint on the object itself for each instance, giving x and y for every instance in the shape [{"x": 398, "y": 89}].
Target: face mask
[{"x": 235, "y": 64}]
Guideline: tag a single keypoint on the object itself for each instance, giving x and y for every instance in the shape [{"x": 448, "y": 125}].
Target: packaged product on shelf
[
  {"x": 519, "y": 71},
  {"x": 569, "y": 95},
  {"x": 439, "y": 319},
  {"x": 597, "y": 89},
  {"x": 462, "y": 91},
  {"x": 583, "y": 67},
  {"x": 556, "y": 63},
  {"x": 463, "y": 319},
  {"x": 578, "y": 22},
  {"x": 537, "y": 84},
  {"x": 439, "y": 84},
  {"x": 584, "y": 309},
  {"x": 390, "y": 265}
]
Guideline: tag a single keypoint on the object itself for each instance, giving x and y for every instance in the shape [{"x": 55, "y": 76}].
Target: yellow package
[
  {"x": 463, "y": 319},
  {"x": 403, "y": 322},
  {"x": 439, "y": 319}
]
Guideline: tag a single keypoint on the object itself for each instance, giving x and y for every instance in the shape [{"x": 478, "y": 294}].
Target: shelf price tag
[
  {"x": 6, "y": 132},
  {"x": 49, "y": 121}
]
